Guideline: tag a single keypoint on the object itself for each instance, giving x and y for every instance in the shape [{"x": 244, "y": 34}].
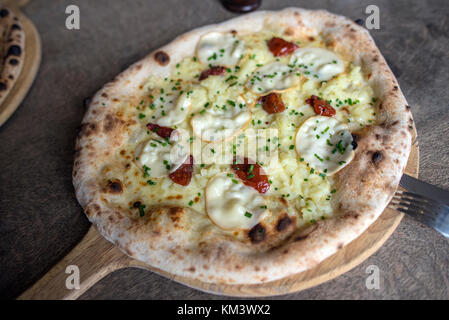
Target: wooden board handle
[{"x": 94, "y": 256}]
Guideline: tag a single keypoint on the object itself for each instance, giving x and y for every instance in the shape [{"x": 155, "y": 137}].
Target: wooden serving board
[
  {"x": 30, "y": 66},
  {"x": 96, "y": 257}
]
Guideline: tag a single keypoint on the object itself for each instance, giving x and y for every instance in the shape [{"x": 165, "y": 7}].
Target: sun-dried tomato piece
[
  {"x": 272, "y": 103},
  {"x": 183, "y": 174},
  {"x": 212, "y": 71},
  {"x": 279, "y": 47},
  {"x": 251, "y": 174},
  {"x": 321, "y": 107},
  {"x": 163, "y": 132}
]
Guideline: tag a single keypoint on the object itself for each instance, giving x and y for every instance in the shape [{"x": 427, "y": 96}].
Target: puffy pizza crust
[{"x": 167, "y": 238}]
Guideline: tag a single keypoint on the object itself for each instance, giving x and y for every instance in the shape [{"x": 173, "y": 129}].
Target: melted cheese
[
  {"x": 220, "y": 48},
  {"x": 170, "y": 109},
  {"x": 216, "y": 124},
  {"x": 316, "y": 63},
  {"x": 325, "y": 144},
  {"x": 232, "y": 205},
  {"x": 158, "y": 158},
  {"x": 274, "y": 76}
]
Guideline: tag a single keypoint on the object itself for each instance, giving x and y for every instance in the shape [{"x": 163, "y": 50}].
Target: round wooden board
[
  {"x": 29, "y": 70},
  {"x": 344, "y": 260},
  {"x": 96, "y": 257}
]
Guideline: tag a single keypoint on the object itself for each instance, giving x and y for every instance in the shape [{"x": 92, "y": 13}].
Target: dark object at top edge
[{"x": 241, "y": 6}]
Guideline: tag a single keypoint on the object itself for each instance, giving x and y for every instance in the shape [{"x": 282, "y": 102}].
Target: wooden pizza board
[
  {"x": 30, "y": 65},
  {"x": 96, "y": 257}
]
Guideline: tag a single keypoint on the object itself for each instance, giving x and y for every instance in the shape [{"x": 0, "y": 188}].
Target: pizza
[
  {"x": 12, "y": 51},
  {"x": 246, "y": 151}
]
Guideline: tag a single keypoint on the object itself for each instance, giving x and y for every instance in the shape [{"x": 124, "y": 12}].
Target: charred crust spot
[
  {"x": 137, "y": 204},
  {"x": 156, "y": 233},
  {"x": 283, "y": 223},
  {"x": 339, "y": 246},
  {"x": 289, "y": 32},
  {"x": 4, "y": 13},
  {"x": 387, "y": 125},
  {"x": 359, "y": 21},
  {"x": 11, "y": 77},
  {"x": 375, "y": 59},
  {"x": 352, "y": 30},
  {"x": 114, "y": 187},
  {"x": 354, "y": 144},
  {"x": 351, "y": 215},
  {"x": 257, "y": 233},
  {"x": 407, "y": 108},
  {"x": 162, "y": 58},
  {"x": 15, "y": 26},
  {"x": 175, "y": 213},
  {"x": 109, "y": 123},
  {"x": 299, "y": 238},
  {"x": 92, "y": 209},
  {"x": 87, "y": 129},
  {"x": 86, "y": 102},
  {"x": 104, "y": 95},
  {"x": 191, "y": 269},
  {"x": 234, "y": 32},
  {"x": 376, "y": 157},
  {"x": 3, "y": 86},
  {"x": 13, "y": 62},
  {"x": 311, "y": 38},
  {"x": 395, "y": 88},
  {"x": 14, "y": 50}
]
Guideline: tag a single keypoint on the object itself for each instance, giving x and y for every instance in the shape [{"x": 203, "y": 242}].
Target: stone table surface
[{"x": 40, "y": 219}]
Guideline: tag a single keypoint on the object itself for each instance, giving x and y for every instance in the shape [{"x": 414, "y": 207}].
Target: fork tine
[
  {"x": 418, "y": 206},
  {"x": 412, "y": 195},
  {"x": 418, "y": 212},
  {"x": 428, "y": 211},
  {"x": 419, "y": 200}
]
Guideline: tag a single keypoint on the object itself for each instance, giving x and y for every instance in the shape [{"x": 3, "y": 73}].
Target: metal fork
[{"x": 430, "y": 212}]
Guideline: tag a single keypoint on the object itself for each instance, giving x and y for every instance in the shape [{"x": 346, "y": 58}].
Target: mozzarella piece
[
  {"x": 220, "y": 48},
  {"x": 233, "y": 205},
  {"x": 324, "y": 143},
  {"x": 216, "y": 124},
  {"x": 170, "y": 109},
  {"x": 274, "y": 76},
  {"x": 316, "y": 63},
  {"x": 157, "y": 158}
]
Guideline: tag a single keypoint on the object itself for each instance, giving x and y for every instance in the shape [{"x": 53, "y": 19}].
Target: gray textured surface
[{"x": 40, "y": 220}]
